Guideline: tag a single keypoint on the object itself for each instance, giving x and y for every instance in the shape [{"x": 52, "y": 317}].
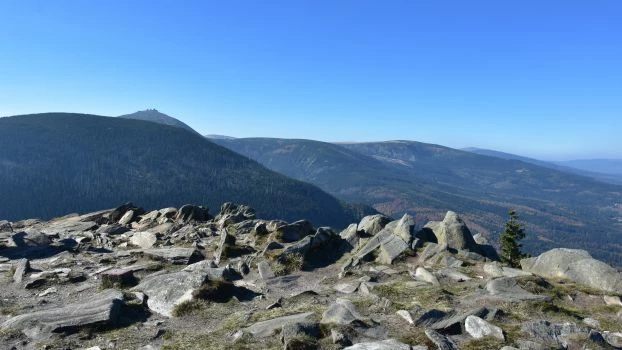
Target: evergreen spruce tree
[{"x": 509, "y": 241}]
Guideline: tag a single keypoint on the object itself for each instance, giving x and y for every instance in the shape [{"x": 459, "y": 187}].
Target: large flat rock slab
[
  {"x": 103, "y": 308},
  {"x": 575, "y": 265}
]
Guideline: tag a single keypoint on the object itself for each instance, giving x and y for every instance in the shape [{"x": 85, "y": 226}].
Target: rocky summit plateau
[{"x": 186, "y": 278}]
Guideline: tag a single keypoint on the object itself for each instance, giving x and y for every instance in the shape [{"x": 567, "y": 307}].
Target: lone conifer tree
[{"x": 510, "y": 248}]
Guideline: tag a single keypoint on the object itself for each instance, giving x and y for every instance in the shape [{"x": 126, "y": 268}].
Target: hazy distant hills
[
  {"x": 55, "y": 163},
  {"x": 153, "y": 115},
  {"x": 561, "y": 209},
  {"x": 607, "y": 170},
  {"x": 605, "y": 166}
]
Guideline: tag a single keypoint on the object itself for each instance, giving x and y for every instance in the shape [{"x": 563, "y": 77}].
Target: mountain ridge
[{"x": 75, "y": 162}]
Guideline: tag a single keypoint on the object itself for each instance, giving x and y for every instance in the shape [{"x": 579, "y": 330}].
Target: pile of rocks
[{"x": 175, "y": 278}]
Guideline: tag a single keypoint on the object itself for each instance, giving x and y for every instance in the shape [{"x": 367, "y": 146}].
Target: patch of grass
[
  {"x": 609, "y": 322},
  {"x": 415, "y": 337},
  {"x": 8, "y": 310},
  {"x": 218, "y": 339},
  {"x": 482, "y": 344},
  {"x": 556, "y": 288},
  {"x": 233, "y": 251},
  {"x": 154, "y": 267},
  {"x": 10, "y": 272},
  {"x": 219, "y": 291},
  {"x": 263, "y": 315},
  {"x": 10, "y": 333},
  {"x": 288, "y": 263},
  {"x": 302, "y": 343},
  {"x": 511, "y": 331},
  {"x": 188, "y": 307},
  {"x": 118, "y": 282},
  {"x": 552, "y": 310},
  {"x": 363, "y": 304},
  {"x": 261, "y": 241},
  {"x": 405, "y": 296},
  {"x": 458, "y": 289}
]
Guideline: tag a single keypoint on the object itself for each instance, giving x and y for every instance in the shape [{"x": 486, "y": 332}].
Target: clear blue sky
[{"x": 539, "y": 78}]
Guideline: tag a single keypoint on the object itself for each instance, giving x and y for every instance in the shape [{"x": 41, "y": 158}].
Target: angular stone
[
  {"x": 453, "y": 274},
  {"x": 265, "y": 271},
  {"x": 213, "y": 273},
  {"x": 298, "y": 248},
  {"x": 390, "y": 249},
  {"x": 182, "y": 256},
  {"x": 613, "y": 338},
  {"x": 166, "y": 291},
  {"x": 189, "y": 212},
  {"x": 431, "y": 253},
  {"x": 406, "y": 316},
  {"x": 267, "y": 328},
  {"x": 612, "y": 300},
  {"x": 373, "y": 224},
  {"x": 29, "y": 239},
  {"x": 403, "y": 228},
  {"x": 341, "y": 312},
  {"x": 352, "y": 237},
  {"x": 127, "y": 217},
  {"x": 144, "y": 240},
  {"x": 421, "y": 274},
  {"x": 114, "y": 229},
  {"x": 225, "y": 243},
  {"x": 479, "y": 328},
  {"x": 231, "y": 213},
  {"x": 442, "y": 342},
  {"x": 392, "y": 240},
  {"x": 448, "y": 322},
  {"x": 115, "y": 215},
  {"x": 294, "y": 231},
  {"x": 48, "y": 291},
  {"x": 346, "y": 288},
  {"x": 122, "y": 277},
  {"x": 20, "y": 270},
  {"x": 103, "y": 308},
  {"x": 452, "y": 232},
  {"x": 5, "y": 226}
]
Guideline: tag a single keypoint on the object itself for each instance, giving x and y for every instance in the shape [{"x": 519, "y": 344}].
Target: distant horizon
[
  {"x": 537, "y": 79},
  {"x": 462, "y": 148}
]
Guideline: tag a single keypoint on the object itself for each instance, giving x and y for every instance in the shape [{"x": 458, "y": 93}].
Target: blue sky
[{"x": 538, "y": 78}]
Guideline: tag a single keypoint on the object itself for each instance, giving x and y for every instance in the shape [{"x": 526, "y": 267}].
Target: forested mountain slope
[{"x": 56, "y": 163}]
